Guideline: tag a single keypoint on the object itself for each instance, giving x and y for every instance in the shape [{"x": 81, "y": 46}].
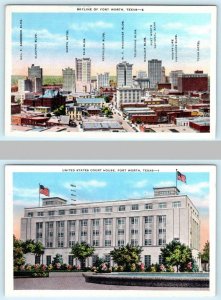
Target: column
[
  {"x": 65, "y": 234},
  {"x": 43, "y": 234},
  {"x": 101, "y": 232},
  {"x": 54, "y": 234},
  {"x": 127, "y": 229},
  {"x": 77, "y": 233},
  {"x": 140, "y": 232},
  {"x": 89, "y": 233},
  {"x": 154, "y": 231},
  {"x": 114, "y": 233}
]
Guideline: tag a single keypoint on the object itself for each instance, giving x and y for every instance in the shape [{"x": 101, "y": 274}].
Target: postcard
[
  {"x": 111, "y": 72},
  {"x": 147, "y": 229}
]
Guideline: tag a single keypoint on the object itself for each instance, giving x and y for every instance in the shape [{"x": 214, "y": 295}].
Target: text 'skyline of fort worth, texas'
[
  {"x": 111, "y": 71},
  {"x": 144, "y": 227}
]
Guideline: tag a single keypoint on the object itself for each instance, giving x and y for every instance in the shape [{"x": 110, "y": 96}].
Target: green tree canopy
[
  {"x": 205, "y": 253},
  {"x": 126, "y": 256},
  {"x": 176, "y": 254},
  {"x": 81, "y": 251}
]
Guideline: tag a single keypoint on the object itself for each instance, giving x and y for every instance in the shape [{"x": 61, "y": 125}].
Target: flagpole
[
  {"x": 39, "y": 195},
  {"x": 176, "y": 178}
]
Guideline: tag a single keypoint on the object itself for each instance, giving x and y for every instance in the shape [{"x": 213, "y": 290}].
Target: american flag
[
  {"x": 43, "y": 190},
  {"x": 181, "y": 177}
]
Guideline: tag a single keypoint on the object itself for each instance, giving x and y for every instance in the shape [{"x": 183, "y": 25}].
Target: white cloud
[
  {"x": 198, "y": 29},
  {"x": 26, "y": 192},
  {"x": 140, "y": 184},
  {"x": 173, "y": 25},
  {"x": 198, "y": 188},
  {"x": 201, "y": 202},
  {"x": 90, "y": 26},
  {"x": 168, "y": 183}
]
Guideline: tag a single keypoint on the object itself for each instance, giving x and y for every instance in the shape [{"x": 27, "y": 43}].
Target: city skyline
[
  {"x": 88, "y": 29},
  {"x": 92, "y": 187}
]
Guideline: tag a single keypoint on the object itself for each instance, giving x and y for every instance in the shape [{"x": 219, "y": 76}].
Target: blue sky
[{"x": 51, "y": 30}]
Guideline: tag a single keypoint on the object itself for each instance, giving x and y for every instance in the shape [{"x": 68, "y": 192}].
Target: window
[
  {"x": 94, "y": 259},
  {"x": 120, "y": 231},
  {"x": 149, "y": 219},
  {"x": 134, "y": 242},
  {"x": 107, "y": 243},
  {"x": 51, "y": 213},
  {"x": 107, "y": 232},
  {"x": 176, "y": 204},
  {"x": 39, "y": 235},
  {"x": 60, "y": 234},
  {"x": 37, "y": 259},
  {"x": 162, "y": 219},
  {"x": 176, "y": 239},
  {"x": 83, "y": 233},
  {"x": 149, "y": 206},
  {"x": 121, "y": 221},
  {"x": 134, "y": 220},
  {"x": 147, "y": 242},
  {"x": 50, "y": 233},
  {"x": 71, "y": 244},
  {"x": 161, "y": 242},
  {"x": 83, "y": 222},
  {"x": 84, "y": 210},
  {"x": 107, "y": 221},
  {"x": 30, "y": 214},
  {"x": 72, "y": 211},
  {"x": 97, "y": 209},
  {"x": 162, "y": 230},
  {"x": 48, "y": 260},
  {"x": 107, "y": 258},
  {"x": 148, "y": 231},
  {"x": 40, "y": 214},
  {"x": 95, "y": 232},
  {"x": 147, "y": 260},
  {"x": 71, "y": 233},
  {"x": 162, "y": 205},
  {"x": 51, "y": 224},
  {"x": 121, "y": 208},
  {"x": 120, "y": 243},
  {"x": 71, "y": 260},
  {"x": 134, "y": 231},
  {"x": 95, "y": 222},
  {"x": 61, "y": 212},
  {"x": 71, "y": 223},
  {"x": 39, "y": 225},
  {"x": 60, "y": 223},
  {"x": 60, "y": 244},
  {"x": 96, "y": 243},
  {"x": 160, "y": 259},
  {"x": 135, "y": 207},
  {"x": 108, "y": 208},
  {"x": 49, "y": 244}
]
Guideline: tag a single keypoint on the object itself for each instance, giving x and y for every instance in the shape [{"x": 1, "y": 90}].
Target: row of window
[{"x": 121, "y": 208}]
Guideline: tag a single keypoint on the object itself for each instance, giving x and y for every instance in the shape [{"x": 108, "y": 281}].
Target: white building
[
  {"x": 141, "y": 74},
  {"x": 174, "y": 78},
  {"x": 103, "y": 80},
  {"x": 127, "y": 95},
  {"x": 148, "y": 222},
  {"x": 35, "y": 74},
  {"x": 124, "y": 74},
  {"x": 68, "y": 80},
  {"x": 154, "y": 72},
  {"x": 24, "y": 85},
  {"x": 83, "y": 74}
]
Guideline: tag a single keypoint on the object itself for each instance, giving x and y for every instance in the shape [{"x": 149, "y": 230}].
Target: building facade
[
  {"x": 174, "y": 78},
  {"x": 68, "y": 80},
  {"x": 149, "y": 222},
  {"x": 154, "y": 72},
  {"x": 103, "y": 80},
  {"x": 128, "y": 95},
  {"x": 197, "y": 82},
  {"x": 83, "y": 75},
  {"x": 35, "y": 74},
  {"x": 124, "y": 74}
]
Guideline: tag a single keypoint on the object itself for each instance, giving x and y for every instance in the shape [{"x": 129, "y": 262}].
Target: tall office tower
[
  {"x": 197, "y": 82},
  {"x": 103, "y": 80},
  {"x": 24, "y": 85},
  {"x": 163, "y": 75},
  {"x": 35, "y": 74},
  {"x": 68, "y": 80},
  {"x": 154, "y": 72},
  {"x": 83, "y": 75},
  {"x": 150, "y": 222},
  {"x": 174, "y": 78},
  {"x": 141, "y": 74},
  {"x": 124, "y": 74}
]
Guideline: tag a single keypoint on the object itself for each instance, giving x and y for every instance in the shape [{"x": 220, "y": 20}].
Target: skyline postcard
[
  {"x": 111, "y": 71},
  {"x": 146, "y": 228}
]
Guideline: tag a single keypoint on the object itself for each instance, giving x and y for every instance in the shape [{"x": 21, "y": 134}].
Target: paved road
[{"x": 73, "y": 282}]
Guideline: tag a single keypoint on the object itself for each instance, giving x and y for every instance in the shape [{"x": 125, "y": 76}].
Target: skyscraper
[
  {"x": 154, "y": 72},
  {"x": 83, "y": 74},
  {"x": 35, "y": 74},
  {"x": 174, "y": 78},
  {"x": 103, "y": 80},
  {"x": 68, "y": 80},
  {"x": 124, "y": 74}
]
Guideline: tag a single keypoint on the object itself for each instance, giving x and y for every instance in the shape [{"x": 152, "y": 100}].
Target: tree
[
  {"x": 205, "y": 253},
  {"x": 30, "y": 246},
  {"x": 81, "y": 251},
  {"x": 177, "y": 254},
  {"x": 59, "y": 111},
  {"x": 126, "y": 256},
  {"x": 18, "y": 254},
  {"x": 57, "y": 259}
]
